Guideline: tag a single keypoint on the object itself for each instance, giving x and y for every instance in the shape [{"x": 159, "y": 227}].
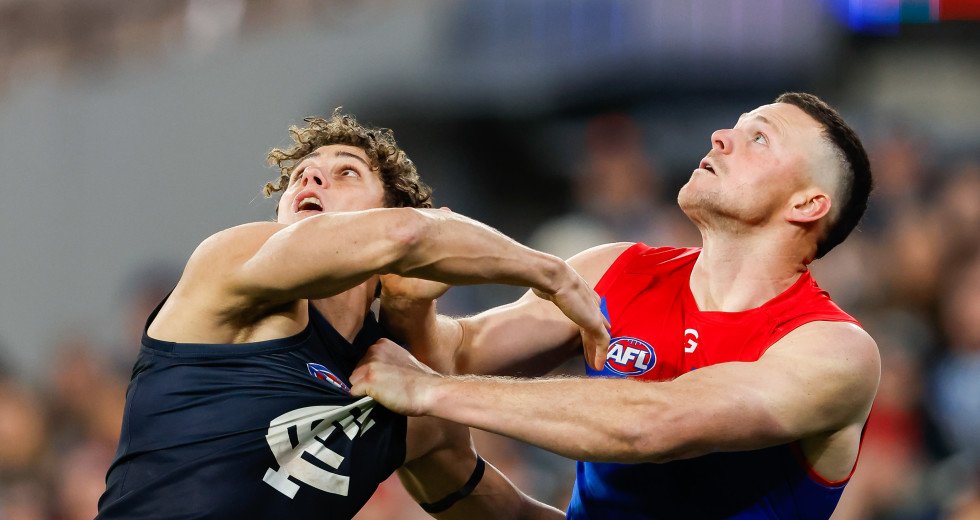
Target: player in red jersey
[{"x": 733, "y": 386}]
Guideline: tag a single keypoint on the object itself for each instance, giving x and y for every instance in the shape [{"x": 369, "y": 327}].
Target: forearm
[
  {"x": 457, "y": 250},
  {"x": 602, "y": 420},
  {"x": 500, "y": 500},
  {"x": 443, "y": 472},
  {"x": 495, "y": 496},
  {"x": 330, "y": 253},
  {"x": 431, "y": 338}
]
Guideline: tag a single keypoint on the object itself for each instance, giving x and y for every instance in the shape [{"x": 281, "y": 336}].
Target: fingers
[
  {"x": 361, "y": 377},
  {"x": 357, "y": 377},
  {"x": 595, "y": 349},
  {"x": 599, "y": 360},
  {"x": 380, "y": 346},
  {"x": 599, "y": 345},
  {"x": 587, "y": 313}
]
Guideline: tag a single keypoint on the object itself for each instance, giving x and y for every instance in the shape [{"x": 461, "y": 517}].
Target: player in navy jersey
[
  {"x": 733, "y": 387},
  {"x": 239, "y": 404}
]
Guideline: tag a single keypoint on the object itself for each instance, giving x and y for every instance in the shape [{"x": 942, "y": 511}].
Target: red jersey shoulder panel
[{"x": 660, "y": 333}]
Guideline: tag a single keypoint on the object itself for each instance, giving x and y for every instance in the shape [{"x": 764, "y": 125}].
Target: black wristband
[{"x": 461, "y": 493}]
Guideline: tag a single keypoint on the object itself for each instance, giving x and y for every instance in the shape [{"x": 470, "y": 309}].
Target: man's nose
[
  {"x": 721, "y": 140},
  {"x": 313, "y": 175}
]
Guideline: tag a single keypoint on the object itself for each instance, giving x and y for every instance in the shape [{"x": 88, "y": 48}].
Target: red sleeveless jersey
[{"x": 658, "y": 333}]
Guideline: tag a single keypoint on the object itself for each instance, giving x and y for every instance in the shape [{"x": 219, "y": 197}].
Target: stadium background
[{"x": 130, "y": 131}]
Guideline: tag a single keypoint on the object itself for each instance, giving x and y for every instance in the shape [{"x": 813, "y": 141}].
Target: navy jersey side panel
[{"x": 262, "y": 430}]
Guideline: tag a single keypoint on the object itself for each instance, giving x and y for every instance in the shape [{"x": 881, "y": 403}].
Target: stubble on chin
[{"x": 706, "y": 210}]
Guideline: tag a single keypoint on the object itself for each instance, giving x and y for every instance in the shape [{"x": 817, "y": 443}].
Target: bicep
[
  {"x": 819, "y": 379},
  {"x": 528, "y": 337},
  {"x": 323, "y": 255},
  {"x": 212, "y": 277},
  {"x": 531, "y": 336}
]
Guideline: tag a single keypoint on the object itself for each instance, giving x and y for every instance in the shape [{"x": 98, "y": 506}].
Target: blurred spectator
[
  {"x": 956, "y": 380},
  {"x": 84, "y": 393},
  {"x": 24, "y": 444},
  {"x": 911, "y": 259},
  {"x": 617, "y": 196},
  {"x": 897, "y": 160},
  {"x": 958, "y": 211},
  {"x": 25, "y": 499},
  {"x": 23, "y": 431},
  {"x": 968, "y": 507},
  {"x": 100, "y": 34},
  {"x": 81, "y": 480}
]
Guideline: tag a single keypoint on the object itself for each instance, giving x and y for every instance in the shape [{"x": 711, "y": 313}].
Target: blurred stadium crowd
[{"x": 910, "y": 274}]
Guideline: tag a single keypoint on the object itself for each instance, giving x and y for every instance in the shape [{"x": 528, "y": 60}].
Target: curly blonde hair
[{"x": 402, "y": 184}]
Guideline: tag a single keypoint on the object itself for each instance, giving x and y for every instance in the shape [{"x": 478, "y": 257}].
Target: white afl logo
[{"x": 630, "y": 356}]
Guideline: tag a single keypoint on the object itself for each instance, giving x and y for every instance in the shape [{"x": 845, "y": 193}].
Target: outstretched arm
[
  {"x": 259, "y": 267},
  {"x": 330, "y": 253},
  {"x": 442, "y": 461},
  {"x": 820, "y": 378},
  {"x": 529, "y": 337}
]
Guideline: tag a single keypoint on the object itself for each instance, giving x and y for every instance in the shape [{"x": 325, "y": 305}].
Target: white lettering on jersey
[
  {"x": 324, "y": 433},
  {"x": 692, "y": 345},
  {"x": 624, "y": 355},
  {"x": 616, "y": 352}
]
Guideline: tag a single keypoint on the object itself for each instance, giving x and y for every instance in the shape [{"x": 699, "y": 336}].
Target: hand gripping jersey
[
  {"x": 258, "y": 430},
  {"x": 658, "y": 333}
]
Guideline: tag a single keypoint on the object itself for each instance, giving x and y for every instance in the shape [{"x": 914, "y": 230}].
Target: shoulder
[
  {"x": 239, "y": 238},
  {"x": 211, "y": 271},
  {"x": 593, "y": 263},
  {"x": 843, "y": 354},
  {"x": 842, "y": 338},
  {"x": 229, "y": 249},
  {"x": 212, "y": 303}
]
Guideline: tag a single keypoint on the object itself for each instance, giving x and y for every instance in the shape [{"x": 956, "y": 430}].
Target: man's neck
[
  {"x": 346, "y": 311},
  {"x": 737, "y": 273}
]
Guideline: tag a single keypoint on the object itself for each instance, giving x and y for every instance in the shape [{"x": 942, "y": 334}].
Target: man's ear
[{"x": 808, "y": 206}]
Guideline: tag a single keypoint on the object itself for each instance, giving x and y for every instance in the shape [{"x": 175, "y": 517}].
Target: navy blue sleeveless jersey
[{"x": 257, "y": 430}]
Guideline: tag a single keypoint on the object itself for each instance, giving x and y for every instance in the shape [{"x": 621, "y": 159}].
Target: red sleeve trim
[
  {"x": 818, "y": 478},
  {"x": 779, "y": 332}
]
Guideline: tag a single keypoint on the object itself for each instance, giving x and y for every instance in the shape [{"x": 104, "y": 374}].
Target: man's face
[
  {"x": 754, "y": 168},
  {"x": 335, "y": 177}
]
